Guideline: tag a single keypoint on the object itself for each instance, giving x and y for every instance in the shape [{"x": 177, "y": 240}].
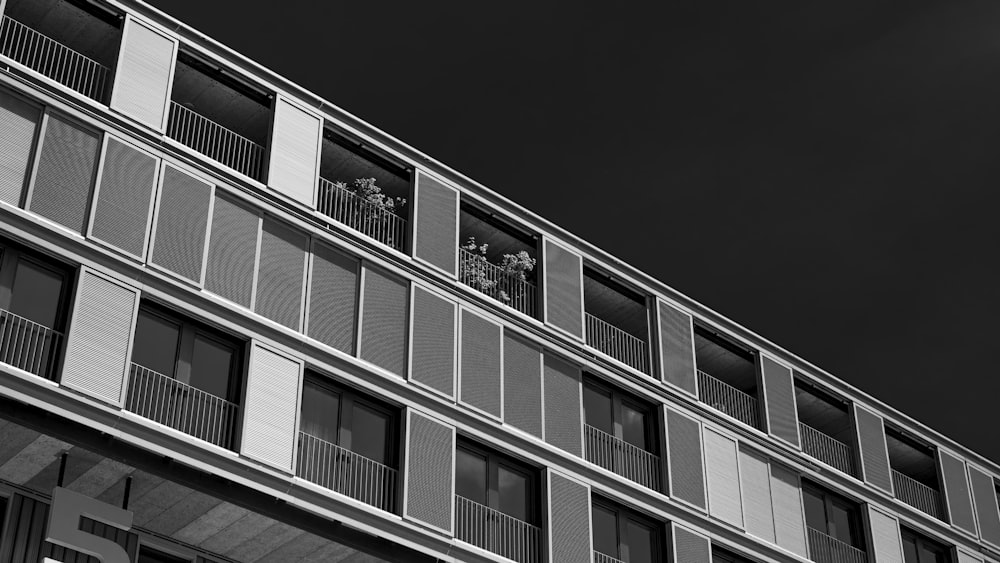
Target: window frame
[
  {"x": 495, "y": 460},
  {"x": 832, "y": 500},
  {"x": 619, "y": 398},
  {"x": 622, "y": 516},
  {"x": 10, "y": 258},
  {"x": 920, "y": 540}
]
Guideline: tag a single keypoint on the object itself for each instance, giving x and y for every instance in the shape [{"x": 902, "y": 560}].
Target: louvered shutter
[
  {"x": 383, "y": 323},
  {"x": 985, "y": 497},
  {"x": 570, "y": 537},
  {"x": 886, "y": 542},
  {"x": 181, "y": 224},
  {"x": 333, "y": 298},
  {"x": 142, "y": 81},
  {"x": 563, "y": 287},
  {"x": 522, "y": 385},
  {"x": 684, "y": 446},
  {"x": 755, "y": 479},
  {"x": 295, "y": 143},
  {"x": 429, "y": 477},
  {"x": 66, "y": 168},
  {"x": 676, "y": 347},
  {"x": 480, "y": 384},
  {"x": 874, "y": 454},
  {"x": 779, "y": 398},
  {"x": 722, "y": 477},
  {"x": 232, "y": 250},
  {"x": 281, "y": 273},
  {"x": 956, "y": 491},
  {"x": 123, "y": 203},
  {"x": 689, "y": 546},
  {"x": 436, "y": 218},
  {"x": 274, "y": 385},
  {"x": 433, "y": 334},
  {"x": 563, "y": 414},
  {"x": 19, "y": 122},
  {"x": 786, "y": 501}
]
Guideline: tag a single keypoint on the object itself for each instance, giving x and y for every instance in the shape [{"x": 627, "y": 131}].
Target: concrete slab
[
  {"x": 181, "y": 514},
  {"x": 142, "y": 483},
  {"x": 263, "y": 543},
  {"x": 210, "y": 523},
  {"x": 34, "y": 457},
  {"x": 100, "y": 477},
  {"x": 157, "y": 500},
  {"x": 14, "y": 438},
  {"x": 78, "y": 462},
  {"x": 331, "y": 553},
  {"x": 237, "y": 533},
  {"x": 295, "y": 550}
]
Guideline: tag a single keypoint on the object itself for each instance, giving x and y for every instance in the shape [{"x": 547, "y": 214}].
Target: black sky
[{"x": 824, "y": 173}]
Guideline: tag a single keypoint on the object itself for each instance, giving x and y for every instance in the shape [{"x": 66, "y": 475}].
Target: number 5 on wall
[{"x": 64, "y": 525}]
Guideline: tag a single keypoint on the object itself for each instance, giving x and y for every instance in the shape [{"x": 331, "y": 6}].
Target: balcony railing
[
  {"x": 51, "y": 58},
  {"x": 215, "y": 141},
  {"x": 617, "y": 343},
  {"x": 348, "y": 473},
  {"x": 727, "y": 399},
  {"x": 180, "y": 406},
  {"x": 827, "y": 449},
  {"x": 917, "y": 494},
  {"x": 347, "y": 207},
  {"x": 490, "y": 279},
  {"x": 28, "y": 345},
  {"x": 602, "y": 558},
  {"x": 497, "y": 532},
  {"x": 824, "y": 548},
  {"x": 623, "y": 458}
]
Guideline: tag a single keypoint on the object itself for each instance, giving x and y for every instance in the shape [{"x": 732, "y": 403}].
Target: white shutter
[
  {"x": 274, "y": 384},
  {"x": 886, "y": 543},
  {"x": 145, "y": 72},
  {"x": 723, "y": 478},
  {"x": 295, "y": 147}
]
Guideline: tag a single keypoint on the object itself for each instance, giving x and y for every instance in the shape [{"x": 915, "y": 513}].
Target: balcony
[
  {"x": 348, "y": 473},
  {"x": 917, "y": 494},
  {"x": 827, "y": 449},
  {"x": 346, "y": 207},
  {"x": 615, "y": 342},
  {"x": 28, "y": 345},
  {"x": 824, "y": 548},
  {"x": 215, "y": 141},
  {"x": 625, "y": 459},
  {"x": 602, "y": 558},
  {"x": 728, "y": 400},
  {"x": 616, "y": 320},
  {"x": 497, "y": 532},
  {"x": 493, "y": 281},
  {"x": 180, "y": 406}
]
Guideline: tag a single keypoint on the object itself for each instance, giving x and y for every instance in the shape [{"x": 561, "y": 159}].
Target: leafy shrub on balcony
[
  {"x": 504, "y": 280},
  {"x": 371, "y": 194}
]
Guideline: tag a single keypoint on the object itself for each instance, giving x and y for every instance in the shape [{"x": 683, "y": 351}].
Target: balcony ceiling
[
  {"x": 723, "y": 364},
  {"x": 910, "y": 461},
  {"x": 614, "y": 308},
  {"x": 70, "y": 26},
  {"x": 339, "y": 164},
  {"x": 221, "y": 103},
  {"x": 830, "y": 419}
]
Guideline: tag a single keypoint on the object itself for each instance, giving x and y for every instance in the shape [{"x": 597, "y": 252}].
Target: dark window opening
[
  {"x": 825, "y": 427},
  {"x": 722, "y": 555},
  {"x": 921, "y": 549},
  {"x": 914, "y": 472},
  {"x": 834, "y": 524},
  {"x": 624, "y": 535},
  {"x": 150, "y": 555},
  {"x": 727, "y": 376},
  {"x": 621, "y": 434},
  {"x": 616, "y": 319}
]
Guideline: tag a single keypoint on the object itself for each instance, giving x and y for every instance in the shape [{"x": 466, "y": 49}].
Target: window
[
  {"x": 720, "y": 555},
  {"x": 919, "y": 549},
  {"x": 150, "y": 555},
  {"x": 624, "y": 535},
  {"x": 832, "y": 516},
  {"x": 621, "y": 434}
]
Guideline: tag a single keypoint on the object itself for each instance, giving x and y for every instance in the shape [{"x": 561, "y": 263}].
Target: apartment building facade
[{"x": 220, "y": 342}]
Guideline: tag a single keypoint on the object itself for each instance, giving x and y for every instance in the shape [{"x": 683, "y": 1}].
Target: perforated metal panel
[
  {"x": 333, "y": 298},
  {"x": 436, "y": 223},
  {"x": 966, "y": 557},
  {"x": 779, "y": 397},
  {"x": 563, "y": 289},
  {"x": 956, "y": 492},
  {"x": 522, "y": 385},
  {"x": 480, "y": 370},
  {"x": 563, "y": 389},
  {"x": 677, "y": 348},
  {"x": 684, "y": 445},
  {"x": 569, "y": 527},
  {"x": 181, "y": 224},
  {"x": 232, "y": 251},
  {"x": 755, "y": 478},
  {"x": 722, "y": 478},
  {"x": 64, "y": 181},
  {"x": 430, "y": 453},
  {"x": 142, "y": 81},
  {"x": 690, "y": 547},
  {"x": 887, "y": 546},
  {"x": 383, "y": 327},
  {"x": 985, "y": 497},
  {"x": 295, "y": 152},
  {"x": 19, "y": 122},
  {"x": 281, "y": 274},
  {"x": 874, "y": 455},
  {"x": 274, "y": 383},
  {"x": 786, "y": 501},
  {"x": 97, "y": 351},
  {"x": 433, "y": 341},
  {"x": 124, "y": 198}
]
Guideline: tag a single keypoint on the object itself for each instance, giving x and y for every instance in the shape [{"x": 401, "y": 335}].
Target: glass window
[
  {"x": 623, "y": 534},
  {"x": 597, "y": 409},
  {"x": 634, "y": 426},
  {"x": 156, "y": 343},
  {"x": 320, "y": 412},
  {"x": 150, "y": 555},
  {"x": 833, "y": 515},
  {"x": 369, "y": 429},
  {"x": 641, "y": 540},
  {"x": 496, "y": 481},
  {"x": 512, "y": 488},
  {"x": 211, "y": 366},
  {"x": 605, "y": 531},
  {"x": 36, "y": 293},
  {"x": 921, "y": 549},
  {"x": 815, "y": 509},
  {"x": 612, "y": 412},
  {"x": 470, "y": 476}
]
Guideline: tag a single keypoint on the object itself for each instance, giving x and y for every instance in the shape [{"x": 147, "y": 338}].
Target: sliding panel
[
  {"x": 433, "y": 334},
  {"x": 569, "y": 520},
  {"x": 232, "y": 250},
  {"x": 65, "y": 173},
  {"x": 124, "y": 200},
  {"x": 689, "y": 546},
  {"x": 676, "y": 347},
  {"x": 687, "y": 475},
  {"x": 384, "y": 320},
  {"x": 429, "y": 478},
  {"x": 956, "y": 491},
  {"x": 333, "y": 298},
  {"x": 181, "y": 224},
  {"x": 479, "y": 384},
  {"x": 522, "y": 385},
  {"x": 786, "y": 500},
  {"x": 563, "y": 410},
  {"x": 874, "y": 454},
  {"x": 295, "y": 145},
  {"x": 145, "y": 71},
  {"x": 779, "y": 400},
  {"x": 19, "y": 121},
  {"x": 563, "y": 287},
  {"x": 281, "y": 273},
  {"x": 985, "y": 496},
  {"x": 755, "y": 480},
  {"x": 274, "y": 385},
  {"x": 436, "y": 218},
  {"x": 722, "y": 477}
]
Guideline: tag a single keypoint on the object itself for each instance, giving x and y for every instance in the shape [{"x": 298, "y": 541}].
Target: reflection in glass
[
  {"x": 211, "y": 364},
  {"x": 470, "y": 476},
  {"x": 35, "y": 293},
  {"x": 155, "y": 344},
  {"x": 513, "y": 488},
  {"x": 368, "y": 433}
]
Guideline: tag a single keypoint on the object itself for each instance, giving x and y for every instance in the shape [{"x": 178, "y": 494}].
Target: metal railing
[
  {"x": 827, "y": 449},
  {"x": 490, "y": 279},
  {"x": 51, "y": 58},
  {"x": 497, "y": 532},
  {"x": 617, "y": 343},
  {"x": 180, "y": 406},
  {"x": 348, "y": 473},
  {"x": 28, "y": 345},
  {"x": 215, "y": 141},
  {"x": 824, "y": 548},
  {"x": 917, "y": 494},
  {"x": 623, "y": 458},
  {"x": 347, "y": 207},
  {"x": 603, "y": 558},
  {"x": 727, "y": 399}
]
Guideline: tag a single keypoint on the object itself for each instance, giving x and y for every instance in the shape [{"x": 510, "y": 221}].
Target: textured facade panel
[
  {"x": 563, "y": 422},
  {"x": 433, "y": 342},
  {"x": 480, "y": 370},
  {"x": 786, "y": 501},
  {"x": 181, "y": 224},
  {"x": 874, "y": 455},
  {"x": 722, "y": 478},
  {"x": 295, "y": 152},
  {"x": 966, "y": 557},
  {"x": 563, "y": 286},
  {"x": 333, "y": 298},
  {"x": 687, "y": 480},
  {"x": 779, "y": 400},
  {"x": 142, "y": 80},
  {"x": 67, "y": 164},
  {"x": 19, "y": 122},
  {"x": 97, "y": 351},
  {"x": 384, "y": 322},
  {"x": 569, "y": 530},
  {"x": 690, "y": 547},
  {"x": 886, "y": 543},
  {"x": 430, "y": 454},
  {"x": 436, "y": 227},
  {"x": 755, "y": 480},
  {"x": 281, "y": 274},
  {"x": 124, "y": 198},
  {"x": 232, "y": 251},
  {"x": 272, "y": 406},
  {"x": 956, "y": 492},
  {"x": 985, "y": 497},
  {"x": 677, "y": 348},
  {"x": 522, "y": 385}
]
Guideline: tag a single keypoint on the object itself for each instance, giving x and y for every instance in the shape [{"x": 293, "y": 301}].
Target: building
[{"x": 216, "y": 346}]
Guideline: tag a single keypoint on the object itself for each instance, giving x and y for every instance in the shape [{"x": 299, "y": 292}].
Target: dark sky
[{"x": 824, "y": 173}]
